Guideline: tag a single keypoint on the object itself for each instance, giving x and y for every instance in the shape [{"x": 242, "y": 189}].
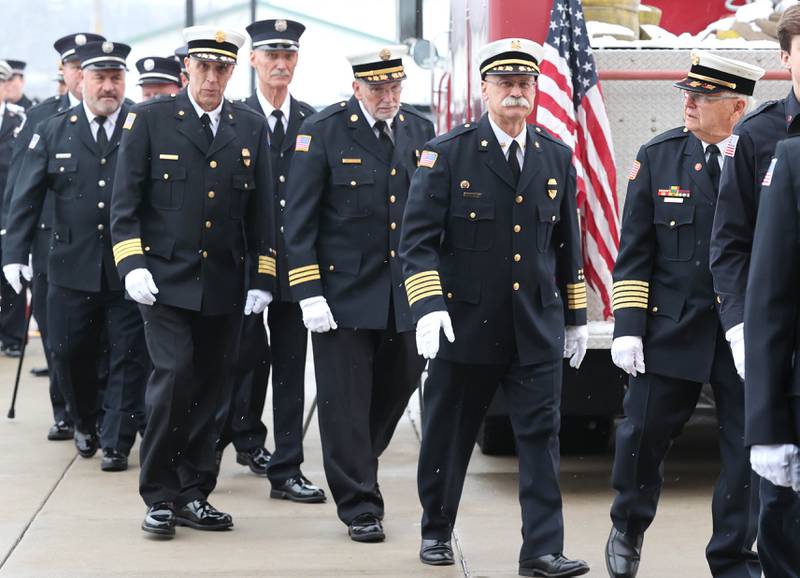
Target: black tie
[
  {"x": 102, "y": 137},
  {"x": 713, "y": 165},
  {"x": 278, "y": 133},
  {"x": 383, "y": 137},
  {"x": 513, "y": 162},
  {"x": 205, "y": 120}
]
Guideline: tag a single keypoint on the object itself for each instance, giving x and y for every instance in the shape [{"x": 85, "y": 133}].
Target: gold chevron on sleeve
[
  {"x": 267, "y": 265},
  {"x": 576, "y": 295},
  {"x": 304, "y": 274},
  {"x": 630, "y": 294},
  {"x": 127, "y": 248},
  {"x": 422, "y": 285}
]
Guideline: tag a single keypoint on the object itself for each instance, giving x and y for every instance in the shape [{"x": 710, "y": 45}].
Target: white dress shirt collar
[
  {"x": 73, "y": 100},
  {"x": 505, "y": 140},
  {"x": 721, "y": 145},
  {"x": 214, "y": 115},
  {"x": 267, "y": 107},
  {"x": 108, "y": 125}
]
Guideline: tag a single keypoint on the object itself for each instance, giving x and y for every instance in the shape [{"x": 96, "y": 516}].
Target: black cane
[{"x": 11, "y": 412}]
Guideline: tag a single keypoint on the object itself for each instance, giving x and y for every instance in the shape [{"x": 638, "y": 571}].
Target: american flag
[{"x": 570, "y": 105}]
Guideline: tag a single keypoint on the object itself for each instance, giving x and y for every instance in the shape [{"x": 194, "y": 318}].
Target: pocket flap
[
  {"x": 168, "y": 173},
  {"x": 62, "y": 234},
  {"x": 341, "y": 262},
  {"x": 461, "y": 289},
  {"x": 243, "y": 182},
  {"x": 549, "y": 214},
  {"x": 58, "y": 166},
  {"x": 161, "y": 246},
  {"x": 352, "y": 176},
  {"x": 667, "y": 302},
  {"x": 474, "y": 211},
  {"x": 673, "y": 216}
]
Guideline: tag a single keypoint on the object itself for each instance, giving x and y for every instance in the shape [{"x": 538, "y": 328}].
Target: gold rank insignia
[
  {"x": 353, "y": 117},
  {"x": 484, "y": 143},
  {"x": 220, "y": 36},
  {"x": 465, "y": 184},
  {"x": 552, "y": 191},
  {"x": 246, "y": 157},
  {"x": 74, "y": 118}
]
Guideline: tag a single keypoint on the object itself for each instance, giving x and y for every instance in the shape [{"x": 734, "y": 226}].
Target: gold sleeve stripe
[
  {"x": 305, "y": 268},
  {"x": 127, "y": 248},
  {"x": 267, "y": 265},
  {"x": 574, "y": 306},
  {"x": 632, "y": 283},
  {"x": 431, "y": 293},
  {"x": 298, "y": 281},
  {"x": 423, "y": 289},
  {"x": 423, "y": 284},
  {"x": 628, "y": 303},
  {"x": 418, "y": 276}
]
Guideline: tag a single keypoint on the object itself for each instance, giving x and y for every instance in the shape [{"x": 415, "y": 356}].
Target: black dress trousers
[
  {"x": 364, "y": 380},
  {"x": 456, "y": 399},
  {"x": 12, "y": 314},
  {"x": 656, "y": 410},
  {"x": 193, "y": 357}
]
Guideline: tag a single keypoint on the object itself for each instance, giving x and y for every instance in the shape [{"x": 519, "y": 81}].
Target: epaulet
[
  {"x": 159, "y": 100},
  {"x": 546, "y": 134},
  {"x": 759, "y": 109},
  {"x": 329, "y": 111},
  {"x": 408, "y": 109},
  {"x": 456, "y": 132},
  {"x": 307, "y": 108},
  {"x": 674, "y": 133},
  {"x": 242, "y": 107}
]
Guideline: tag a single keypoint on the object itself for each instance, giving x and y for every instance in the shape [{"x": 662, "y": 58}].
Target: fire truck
[{"x": 641, "y": 103}]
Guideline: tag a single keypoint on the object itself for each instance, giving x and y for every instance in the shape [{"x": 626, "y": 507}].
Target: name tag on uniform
[
  {"x": 673, "y": 200},
  {"x": 63, "y": 155},
  {"x": 351, "y": 161},
  {"x": 167, "y": 157}
]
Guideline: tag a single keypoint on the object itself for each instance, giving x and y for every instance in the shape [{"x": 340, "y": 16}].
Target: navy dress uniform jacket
[
  {"x": 756, "y": 136},
  {"x": 63, "y": 157},
  {"x": 281, "y": 162},
  {"x": 771, "y": 322},
  {"x": 345, "y": 210},
  {"x": 189, "y": 212},
  {"x": 663, "y": 290},
  {"x": 498, "y": 257},
  {"x": 9, "y": 130}
]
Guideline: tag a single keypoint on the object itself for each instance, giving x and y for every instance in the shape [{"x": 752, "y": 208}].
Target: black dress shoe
[
  {"x": 298, "y": 489},
  {"x": 12, "y": 350},
  {"x": 113, "y": 461},
  {"x": 552, "y": 565},
  {"x": 366, "y": 528},
  {"x": 623, "y": 552},
  {"x": 160, "y": 520},
  {"x": 257, "y": 460},
  {"x": 436, "y": 552},
  {"x": 86, "y": 443},
  {"x": 201, "y": 515},
  {"x": 60, "y": 430},
  {"x": 40, "y": 371}
]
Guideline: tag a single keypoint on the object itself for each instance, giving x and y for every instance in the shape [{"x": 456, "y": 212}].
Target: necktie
[
  {"x": 513, "y": 161},
  {"x": 713, "y": 165},
  {"x": 383, "y": 137},
  {"x": 102, "y": 137},
  {"x": 278, "y": 133},
  {"x": 205, "y": 120}
]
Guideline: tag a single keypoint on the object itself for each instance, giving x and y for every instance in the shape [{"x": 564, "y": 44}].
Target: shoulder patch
[
  {"x": 768, "y": 176},
  {"x": 730, "y": 148},
  {"x": 303, "y": 143},
  {"x": 546, "y": 134},
  {"x": 634, "y": 171},
  {"x": 427, "y": 159},
  {"x": 129, "y": 120},
  {"x": 34, "y": 141}
]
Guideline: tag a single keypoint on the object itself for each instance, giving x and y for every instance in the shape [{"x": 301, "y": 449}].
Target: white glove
[
  {"x": 575, "y": 339},
  {"x": 735, "y": 336},
  {"x": 12, "y": 274},
  {"x": 794, "y": 472},
  {"x": 428, "y": 332},
  {"x": 140, "y": 286},
  {"x": 773, "y": 462},
  {"x": 317, "y": 316},
  {"x": 257, "y": 301},
  {"x": 627, "y": 353}
]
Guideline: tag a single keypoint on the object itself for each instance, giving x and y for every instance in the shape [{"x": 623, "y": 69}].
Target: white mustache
[
  {"x": 280, "y": 74},
  {"x": 511, "y": 101}
]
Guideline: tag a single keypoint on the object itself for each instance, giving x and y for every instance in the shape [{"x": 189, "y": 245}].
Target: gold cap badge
[
  {"x": 385, "y": 54},
  {"x": 220, "y": 36}
]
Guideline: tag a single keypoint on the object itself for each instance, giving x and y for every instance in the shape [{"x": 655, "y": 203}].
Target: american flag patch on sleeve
[
  {"x": 129, "y": 121},
  {"x": 634, "y": 170},
  {"x": 768, "y": 176},
  {"x": 427, "y": 159},
  {"x": 303, "y": 143},
  {"x": 730, "y": 148}
]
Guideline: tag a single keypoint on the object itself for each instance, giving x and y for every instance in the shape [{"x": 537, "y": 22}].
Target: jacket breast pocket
[
  {"x": 675, "y": 231},
  {"x": 62, "y": 174},
  {"x": 548, "y": 217},
  {"x": 168, "y": 187},
  {"x": 350, "y": 190},
  {"x": 472, "y": 226},
  {"x": 242, "y": 186}
]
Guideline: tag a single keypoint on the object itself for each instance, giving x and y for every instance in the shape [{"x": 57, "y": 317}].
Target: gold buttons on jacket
[
  {"x": 100, "y": 227},
  {"x": 449, "y": 295},
  {"x": 672, "y": 223},
  {"x": 166, "y": 176},
  {"x": 519, "y": 199},
  {"x": 204, "y": 254},
  {"x": 213, "y": 164},
  {"x": 393, "y": 172},
  {"x": 473, "y": 215},
  {"x": 392, "y": 199},
  {"x": 392, "y": 253},
  {"x": 208, "y": 224},
  {"x": 331, "y": 268},
  {"x": 517, "y": 228},
  {"x": 101, "y": 205},
  {"x": 282, "y": 179},
  {"x": 353, "y": 183},
  {"x": 393, "y": 226},
  {"x": 211, "y": 194},
  {"x": 103, "y": 161},
  {"x": 517, "y": 257},
  {"x": 655, "y": 309},
  {"x": 516, "y": 286},
  {"x": 60, "y": 169},
  {"x": 283, "y": 202},
  {"x": 101, "y": 183}
]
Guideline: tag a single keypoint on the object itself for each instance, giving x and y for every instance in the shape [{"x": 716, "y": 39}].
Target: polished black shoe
[
  {"x": 623, "y": 552},
  {"x": 201, "y": 515},
  {"x": 298, "y": 489},
  {"x": 11, "y": 350},
  {"x": 366, "y": 528},
  {"x": 553, "y": 565},
  {"x": 436, "y": 552},
  {"x": 113, "y": 461},
  {"x": 160, "y": 520},
  {"x": 257, "y": 460},
  {"x": 86, "y": 443},
  {"x": 40, "y": 371},
  {"x": 60, "y": 431}
]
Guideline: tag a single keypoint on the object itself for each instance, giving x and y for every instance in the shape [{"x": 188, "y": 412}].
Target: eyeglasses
[
  {"x": 704, "y": 98},
  {"x": 524, "y": 85},
  {"x": 394, "y": 90}
]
